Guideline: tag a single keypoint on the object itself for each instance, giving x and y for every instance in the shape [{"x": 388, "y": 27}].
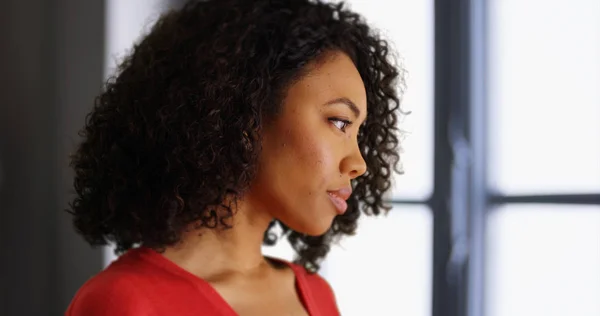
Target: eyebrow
[{"x": 348, "y": 102}]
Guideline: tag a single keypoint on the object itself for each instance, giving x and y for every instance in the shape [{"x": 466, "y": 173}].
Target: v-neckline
[{"x": 213, "y": 295}]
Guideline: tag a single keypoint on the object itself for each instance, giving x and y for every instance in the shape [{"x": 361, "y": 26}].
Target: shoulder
[
  {"x": 109, "y": 293},
  {"x": 118, "y": 290}
]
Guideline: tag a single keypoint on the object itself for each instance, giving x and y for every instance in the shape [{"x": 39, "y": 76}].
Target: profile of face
[{"x": 310, "y": 151}]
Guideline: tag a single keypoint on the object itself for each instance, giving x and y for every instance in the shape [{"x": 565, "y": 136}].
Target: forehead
[{"x": 333, "y": 76}]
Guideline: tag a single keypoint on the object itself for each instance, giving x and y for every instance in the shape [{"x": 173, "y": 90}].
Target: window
[
  {"x": 386, "y": 268},
  {"x": 543, "y": 260},
  {"x": 542, "y": 257},
  {"x": 544, "y": 96}
]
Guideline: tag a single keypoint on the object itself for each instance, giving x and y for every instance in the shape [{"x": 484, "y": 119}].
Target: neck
[{"x": 217, "y": 252}]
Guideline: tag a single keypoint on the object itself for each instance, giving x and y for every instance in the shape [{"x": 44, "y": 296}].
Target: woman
[{"x": 229, "y": 118}]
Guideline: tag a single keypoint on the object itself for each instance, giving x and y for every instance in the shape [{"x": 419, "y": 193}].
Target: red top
[{"x": 144, "y": 283}]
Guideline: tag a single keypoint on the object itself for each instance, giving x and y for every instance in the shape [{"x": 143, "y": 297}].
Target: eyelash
[{"x": 334, "y": 120}]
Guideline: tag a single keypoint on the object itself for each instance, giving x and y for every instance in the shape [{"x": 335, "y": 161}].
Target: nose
[{"x": 354, "y": 164}]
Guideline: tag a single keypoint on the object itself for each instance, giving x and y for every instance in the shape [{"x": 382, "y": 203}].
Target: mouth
[{"x": 338, "y": 199}]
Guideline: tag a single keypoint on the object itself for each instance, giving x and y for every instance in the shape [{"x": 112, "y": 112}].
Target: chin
[
  {"x": 313, "y": 228},
  {"x": 312, "y": 223},
  {"x": 317, "y": 232}
]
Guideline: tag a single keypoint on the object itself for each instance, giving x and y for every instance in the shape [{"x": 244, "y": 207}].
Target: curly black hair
[{"x": 177, "y": 129}]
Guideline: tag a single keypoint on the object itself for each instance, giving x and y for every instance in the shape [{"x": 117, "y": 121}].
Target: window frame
[{"x": 462, "y": 196}]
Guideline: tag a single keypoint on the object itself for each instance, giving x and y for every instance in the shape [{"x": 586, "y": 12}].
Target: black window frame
[{"x": 462, "y": 197}]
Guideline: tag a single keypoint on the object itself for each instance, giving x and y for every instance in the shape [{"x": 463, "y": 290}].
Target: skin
[{"x": 308, "y": 150}]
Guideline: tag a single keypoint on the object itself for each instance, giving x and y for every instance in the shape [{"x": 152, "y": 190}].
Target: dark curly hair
[{"x": 177, "y": 129}]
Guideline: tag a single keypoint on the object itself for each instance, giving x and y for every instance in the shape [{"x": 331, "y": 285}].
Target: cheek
[
  {"x": 314, "y": 160},
  {"x": 302, "y": 159}
]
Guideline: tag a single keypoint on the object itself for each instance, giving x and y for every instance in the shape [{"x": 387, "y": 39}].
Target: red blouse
[{"x": 144, "y": 283}]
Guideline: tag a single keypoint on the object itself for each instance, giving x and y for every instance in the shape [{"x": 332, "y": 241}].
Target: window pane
[
  {"x": 543, "y": 260},
  {"x": 544, "y": 96},
  {"x": 409, "y": 26},
  {"x": 386, "y": 268}
]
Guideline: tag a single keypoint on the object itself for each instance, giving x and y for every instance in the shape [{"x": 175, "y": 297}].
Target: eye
[{"x": 341, "y": 124}]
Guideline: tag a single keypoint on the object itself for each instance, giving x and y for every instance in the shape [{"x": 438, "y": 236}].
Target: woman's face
[{"x": 310, "y": 151}]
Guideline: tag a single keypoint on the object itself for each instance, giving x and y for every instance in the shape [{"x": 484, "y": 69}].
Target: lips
[{"x": 339, "y": 197}]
